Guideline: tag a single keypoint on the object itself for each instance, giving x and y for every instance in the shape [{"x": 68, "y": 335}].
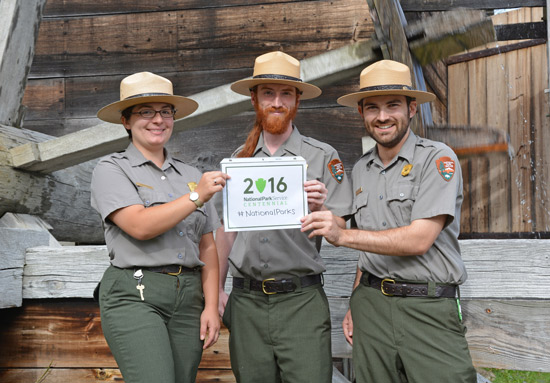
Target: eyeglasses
[{"x": 149, "y": 114}]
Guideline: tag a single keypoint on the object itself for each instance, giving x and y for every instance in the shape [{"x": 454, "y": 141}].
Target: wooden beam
[
  {"x": 521, "y": 31},
  {"x": 496, "y": 269},
  {"x": 441, "y": 35},
  {"x": 62, "y": 199},
  {"x": 446, "y": 5},
  {"x": 214, "y": 104},
  {"x": 19, "y": 23},
  {"x": 456, "y": 59}
]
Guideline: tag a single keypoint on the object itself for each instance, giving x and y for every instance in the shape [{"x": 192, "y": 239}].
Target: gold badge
[
  {"x": 192, "y": 186},
  {"x": 406, "y": 170},
  {"x": 359, "y": 191}
]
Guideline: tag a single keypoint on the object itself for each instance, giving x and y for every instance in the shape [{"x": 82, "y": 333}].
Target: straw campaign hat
[
  {"x": 276, "y": 68},
  {"x": 385, "y": 77},
  {"x": 144, "y": 87}
]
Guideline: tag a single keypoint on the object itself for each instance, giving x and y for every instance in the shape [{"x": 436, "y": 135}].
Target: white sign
[{"x": 264, "y": 193}]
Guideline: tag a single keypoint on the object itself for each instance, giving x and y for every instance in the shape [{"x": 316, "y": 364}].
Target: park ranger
[
  {"x": 405, "y": 322},
  {"x": 159, "y": 297},
  {"x": 278, "y": 313}
]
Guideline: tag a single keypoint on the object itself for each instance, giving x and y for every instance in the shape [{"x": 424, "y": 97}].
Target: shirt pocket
[
  {"x": 359, "y": 209},
  {"x": 401, "y": 198},
  {"x": 152, "y": 197}
]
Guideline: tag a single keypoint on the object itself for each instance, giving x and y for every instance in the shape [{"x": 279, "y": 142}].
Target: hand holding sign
[{"x": 264, "y": 193}]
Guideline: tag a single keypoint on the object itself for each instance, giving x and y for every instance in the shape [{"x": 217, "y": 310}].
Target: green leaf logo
[{"x": 260, "y": 184}]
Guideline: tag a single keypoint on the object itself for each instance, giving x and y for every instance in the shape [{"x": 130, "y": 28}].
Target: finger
[
  {"x": 204, "y": 326},
  {"x": 213, "y": 335}
]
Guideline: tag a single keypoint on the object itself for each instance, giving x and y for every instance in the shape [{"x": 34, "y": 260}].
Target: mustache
[{"x": 277, "y": 109}]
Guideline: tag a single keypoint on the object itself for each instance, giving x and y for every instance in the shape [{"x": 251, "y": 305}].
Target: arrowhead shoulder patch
[
  {"x": 445, "y": 167},
  {"x": 336, "y": 168}
]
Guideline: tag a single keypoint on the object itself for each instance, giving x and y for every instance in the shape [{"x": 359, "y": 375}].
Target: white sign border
[{"x": 263, "y": 162}]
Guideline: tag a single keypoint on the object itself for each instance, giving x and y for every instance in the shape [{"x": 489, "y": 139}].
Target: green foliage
[{"x": 509, "y": 376}]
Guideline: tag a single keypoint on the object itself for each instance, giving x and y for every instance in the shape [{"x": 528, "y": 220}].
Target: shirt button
[
  {"x": 181, "y": 233},
  {"x": 383, "y": 223},
  {"x": 264, "y": 240},
  {"x": 180, "y": 256},
  {"x": 163, "y": 178},
  {"x": 170, "y": 195},
  {"x": 147, "y": 202},
  {"x": 383, "y": 172},
  {"x": 401, "y": 194},
  {"x": 381, "y": 197},
  {"x": 265, "y": 266}
]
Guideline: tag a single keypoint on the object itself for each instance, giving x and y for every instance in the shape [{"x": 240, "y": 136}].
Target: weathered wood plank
[
  {"x": 68, "y": 333},
  {"x": 527, "y": 30},
  {"x": 445, "y": 5},
  {"x": 14, "y": 242},
  {"x": 519, "y": 86},
  {"x": 496, "y": 269},
  {"x": 11, "y": 281},
  {"x": 541, "y": 122},
  {"x": 466, "y": 211},
  {"x": 62, "y": 199},
  {"x": 57, "y": 8},
  {"x": 509, "y": 334},
  {"x": 178, "y": 40},
  {"x": 94, "y": 375},
  {"x": 45, "y": 98},
  {"x": 19, "y": 25},
  {"x": 214, "y": 104}
]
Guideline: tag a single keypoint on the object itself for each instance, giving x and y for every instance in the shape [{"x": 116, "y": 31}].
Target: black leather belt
[
  {"x": 169, "y": 269},
  {"x": 272, "y": 286},
  {"x": 390, "y": 287}
]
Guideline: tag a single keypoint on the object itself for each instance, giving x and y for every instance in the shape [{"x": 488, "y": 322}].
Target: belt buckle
[
  {"x": 263, "y": 286},
  {"x": 175, "y": 274},
  {"x": 382, "y": 286}
]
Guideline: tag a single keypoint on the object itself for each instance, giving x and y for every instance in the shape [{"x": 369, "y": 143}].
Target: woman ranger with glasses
[{"x": 159, "y": 297}]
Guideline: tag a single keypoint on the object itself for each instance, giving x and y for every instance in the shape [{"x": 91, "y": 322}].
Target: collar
[
  {"x": 136, "y": 158},
  {"x": 291, "y": 146}
]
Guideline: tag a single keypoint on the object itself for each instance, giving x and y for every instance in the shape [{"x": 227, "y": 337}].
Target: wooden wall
[
  {"x": 506, "y": 91},
  {"x": 85, "y": 48}
]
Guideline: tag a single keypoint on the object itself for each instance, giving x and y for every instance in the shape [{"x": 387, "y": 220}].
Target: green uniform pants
[
  {"x": 414, "y": 340},
  {"x": 157, "y": 339},
  {"x": 280, "y": 337}
]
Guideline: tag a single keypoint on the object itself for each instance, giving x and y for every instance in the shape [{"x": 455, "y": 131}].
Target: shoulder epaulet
[{"x": 318, "y": 144}]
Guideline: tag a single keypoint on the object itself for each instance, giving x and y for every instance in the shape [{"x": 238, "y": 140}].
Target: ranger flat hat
[
  {"x": 143, "y": 87},
  {"x": 385, "y": 77},
  {"x": 276, "y": 68}
]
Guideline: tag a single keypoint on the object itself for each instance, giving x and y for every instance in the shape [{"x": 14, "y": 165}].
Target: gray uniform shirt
[
  {"x": 286, "y": 253},
  {"x": 395, "y": 195},
  {"x": 127, "y": 178}
]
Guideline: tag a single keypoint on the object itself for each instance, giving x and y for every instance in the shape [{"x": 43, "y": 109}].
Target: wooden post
[
  {"x": 548, "y": 44},
  {"x": 19, "y": 23}
]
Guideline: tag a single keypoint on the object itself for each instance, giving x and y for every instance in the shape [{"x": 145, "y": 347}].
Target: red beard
[{"x": 275, "y": 124}]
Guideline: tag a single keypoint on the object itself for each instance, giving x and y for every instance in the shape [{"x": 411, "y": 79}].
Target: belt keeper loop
[
  {"x": 298, "y": 283},
  {"x": 431, "y": 289}
]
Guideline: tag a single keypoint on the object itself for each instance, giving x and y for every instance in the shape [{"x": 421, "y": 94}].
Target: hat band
[
  {"x": 148, "y": 95},
  {"x": 386, "y": 87},
  {"x": 277, "y": 77}
]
